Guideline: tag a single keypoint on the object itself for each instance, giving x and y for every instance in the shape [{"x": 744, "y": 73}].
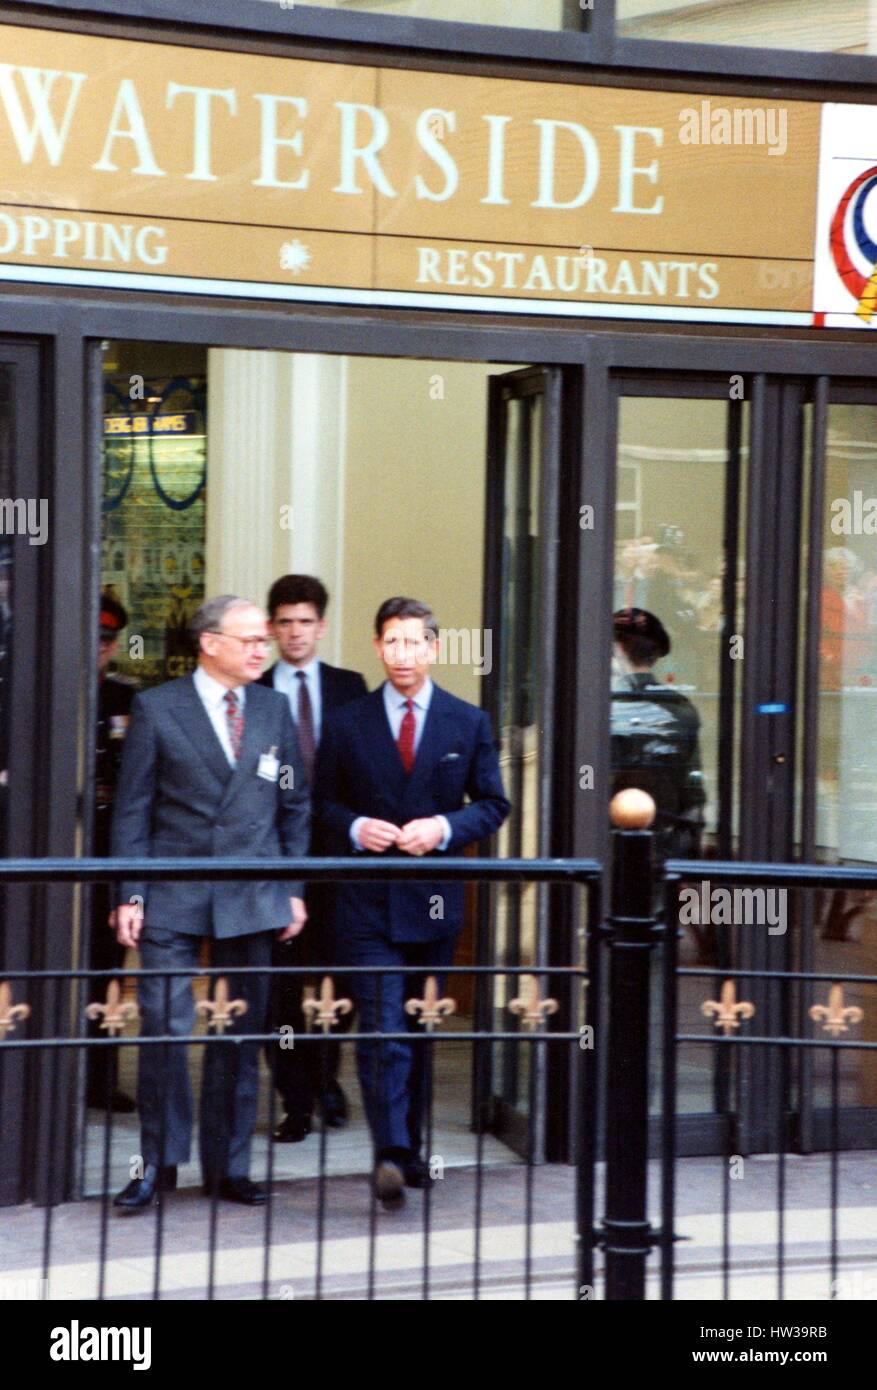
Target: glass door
[
  {"x": 837, "y": 789},
  {"x": 746, "y": 521},
  {"x": 521, "y": 615},
  {"x": 679, "y": 624}
]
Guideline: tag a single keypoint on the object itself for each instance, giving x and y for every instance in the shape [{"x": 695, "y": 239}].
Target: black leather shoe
[
  {"x": 292, "y": 1129},
  {"x": 120, "y": 1104},
  {"x": 417, "y": 1173},
  {"x": 389, "y": 1182},
  {"x": 334, "y": 1106},
  {"x": 143, "y": 1192},
  {"x": 238, "y": 1190}
]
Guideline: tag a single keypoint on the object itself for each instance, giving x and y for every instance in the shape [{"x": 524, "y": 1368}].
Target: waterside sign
[{"x": 139, "y": 165}]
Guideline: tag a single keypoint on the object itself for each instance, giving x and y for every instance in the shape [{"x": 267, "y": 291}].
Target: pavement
[{"x": 326, "y": 1240}]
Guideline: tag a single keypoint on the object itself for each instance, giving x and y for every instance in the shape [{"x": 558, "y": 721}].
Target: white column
[{"x": 276, "y": 438}]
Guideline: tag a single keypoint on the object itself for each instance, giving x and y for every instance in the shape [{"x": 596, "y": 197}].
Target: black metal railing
[
  {"x": 739, "y": 994},
  {"x": 491, "y": 1192}
]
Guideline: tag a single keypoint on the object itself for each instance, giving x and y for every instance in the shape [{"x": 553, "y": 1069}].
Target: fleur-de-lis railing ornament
[
  {"x": 221, "y": 1010},
  {"x": 430, "y": 1011},
  {"x": 115, "y": 1013},
  {"x": 836, "y": 1017},
  {"x": 726, "y": 1010},
  {"x": 326, "y": 1010},
  {"x": 10, "y": 1013},
  {"x": 530, "y": 1005}
]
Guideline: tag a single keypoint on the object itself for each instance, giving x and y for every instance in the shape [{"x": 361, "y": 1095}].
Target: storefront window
[
  {"x": 518, "y": 14},
  {"x": 844, "y": 26},
  {"x": 155, "y": 475}
]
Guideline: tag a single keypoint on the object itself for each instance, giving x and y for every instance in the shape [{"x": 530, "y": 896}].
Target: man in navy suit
[
  {"x": 307, "y": 1074},
  {"x": 407, "y": 769}
]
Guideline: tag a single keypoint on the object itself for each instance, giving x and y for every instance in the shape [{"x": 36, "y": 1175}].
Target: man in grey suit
[{"x": 211, "y": 767}]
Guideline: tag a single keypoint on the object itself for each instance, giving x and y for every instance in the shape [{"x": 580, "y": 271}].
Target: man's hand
[
  {"x": 128, "y": 923},
  {"x": 299, "y": 917},
  {"x": 421, "y": 836},
  {"x": 378, "y": 835}
]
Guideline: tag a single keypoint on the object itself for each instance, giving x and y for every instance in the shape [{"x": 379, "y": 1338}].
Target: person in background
[
  {"x": 115, "y": 695},
  {"x": 408, "y": 769},
  {"x": 306, "y": 1075},
  {"x": 655, "y": 734}
]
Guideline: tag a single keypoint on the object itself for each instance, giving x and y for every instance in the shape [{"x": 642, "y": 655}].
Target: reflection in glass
[
  {"x": 844, "y": 26},
  {"x": 673, "y": 708},
  {"x": 519, "y": 14},
  {"x": 846, "y": 777}
]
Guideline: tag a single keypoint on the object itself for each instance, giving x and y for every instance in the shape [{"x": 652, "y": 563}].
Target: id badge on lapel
[{"x": 269, "y": 766}]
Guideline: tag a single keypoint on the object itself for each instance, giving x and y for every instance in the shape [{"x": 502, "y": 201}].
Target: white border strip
[{"x": 402, "y": 299}]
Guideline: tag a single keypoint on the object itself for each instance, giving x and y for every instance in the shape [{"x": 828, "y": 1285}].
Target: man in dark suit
[
  {"x": 114, "y": 699},
  {"x": 408, "y": 769},
  {"x": 307, "y": 1074},
  {"x": 211, "y": 768}
]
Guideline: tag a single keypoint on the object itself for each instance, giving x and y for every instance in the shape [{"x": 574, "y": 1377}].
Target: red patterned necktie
[
  {"x": 234, "y": 718},
  {"x": 405, "y": 741},
  {"x": 307, "y": 740}
]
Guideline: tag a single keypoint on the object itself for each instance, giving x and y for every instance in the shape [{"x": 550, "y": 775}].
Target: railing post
[{"x": 631, "y": 933}]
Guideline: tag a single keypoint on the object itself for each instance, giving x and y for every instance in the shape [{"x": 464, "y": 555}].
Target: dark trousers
[
  {"x": 230, "y": 1080},
  {"x": 304, "y": 1072},
  {"x": 393, "y": 1074}
]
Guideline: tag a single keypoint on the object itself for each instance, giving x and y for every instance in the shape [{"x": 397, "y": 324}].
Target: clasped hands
[{"x": 417, "y": 837}]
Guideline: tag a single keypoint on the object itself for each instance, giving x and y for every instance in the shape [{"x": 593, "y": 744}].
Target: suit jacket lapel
[{"x": 194, "y": 720}]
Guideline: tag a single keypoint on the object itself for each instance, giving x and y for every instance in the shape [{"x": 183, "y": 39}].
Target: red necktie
[
  {"x": 234, "y": 718},
  {"x": 405, "y": 741}
]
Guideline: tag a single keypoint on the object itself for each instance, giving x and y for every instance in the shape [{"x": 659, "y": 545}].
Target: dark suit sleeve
[
  {"x": 488, "y": 804},
  {"x": 294, "y": 797},
  {"x": 135, "y": 796},
  {"x": 334, "y": 815}
]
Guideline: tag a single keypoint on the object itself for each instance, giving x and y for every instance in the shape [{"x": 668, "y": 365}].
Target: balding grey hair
[{"x": 208, "y": 618}]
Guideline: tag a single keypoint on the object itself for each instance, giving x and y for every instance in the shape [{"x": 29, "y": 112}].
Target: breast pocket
[{"x": 450, "y": 779}]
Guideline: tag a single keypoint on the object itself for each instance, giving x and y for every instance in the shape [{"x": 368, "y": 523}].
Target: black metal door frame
[
  {"x": 70, "y": 325},
  {"x": 18, "y": 903}
]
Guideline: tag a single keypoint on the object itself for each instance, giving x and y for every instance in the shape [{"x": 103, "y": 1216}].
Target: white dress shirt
[
  {"x": 287, "y": 682},
  {"x": 212, "y": 695},
  {"x": 395, "y": 707}
]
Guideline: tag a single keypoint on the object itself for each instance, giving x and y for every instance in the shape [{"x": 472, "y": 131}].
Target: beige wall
[
  {"x": 528, "y": 14},
  {"x": 414, "y": 500}
]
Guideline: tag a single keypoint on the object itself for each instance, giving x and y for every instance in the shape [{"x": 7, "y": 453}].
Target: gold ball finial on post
[{"x": 632, "y": 810}]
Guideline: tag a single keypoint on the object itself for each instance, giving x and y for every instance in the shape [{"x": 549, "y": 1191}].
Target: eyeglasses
[{"x": 251, "y": 643}]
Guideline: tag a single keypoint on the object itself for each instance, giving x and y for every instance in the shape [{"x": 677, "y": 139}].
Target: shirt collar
[
  {"x": 289, "y": 672},
  {"x": 421, "y": 699},
  {"x": 213, "y": 691}
]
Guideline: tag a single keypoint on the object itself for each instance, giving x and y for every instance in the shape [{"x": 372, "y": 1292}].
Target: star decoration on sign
[{"x": 294, "y": 256}]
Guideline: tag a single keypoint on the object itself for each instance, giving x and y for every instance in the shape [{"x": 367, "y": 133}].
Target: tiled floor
[{"x": 348, "y": 1151}]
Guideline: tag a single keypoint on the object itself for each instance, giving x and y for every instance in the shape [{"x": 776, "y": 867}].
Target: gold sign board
[{"x": 155, "y": 166}]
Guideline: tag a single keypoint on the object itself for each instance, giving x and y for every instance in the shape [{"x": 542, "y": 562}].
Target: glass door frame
[
  {"x": 20, "y": 903},
  {"x": 495, "y": 1087}
]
